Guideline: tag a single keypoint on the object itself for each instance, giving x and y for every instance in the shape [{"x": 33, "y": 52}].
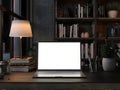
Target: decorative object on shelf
[
  {"x": 112, "y": 13},
  {"x": 109, "y": 64},
  {"x": 101, "y": 10},
  {"x": 108, "y": 54},
  {"x": 20, "y": 28},
  {"x": 117, "y": 29},
  {"x": 113, "y": 30},
  {"x": 112, "y": 8},
  {"x": 84, "y": 35}
]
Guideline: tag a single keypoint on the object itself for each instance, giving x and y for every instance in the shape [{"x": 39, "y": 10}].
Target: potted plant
[
  {"x": 108, "y": 54},
  {"x": 112, "y": 8}
]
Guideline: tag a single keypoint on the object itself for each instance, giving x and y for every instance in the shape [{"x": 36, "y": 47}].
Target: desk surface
[{"x": 96, "y": 77}]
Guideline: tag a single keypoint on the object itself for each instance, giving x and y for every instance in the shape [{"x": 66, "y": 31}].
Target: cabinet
[{"x": 86, "y": 21}]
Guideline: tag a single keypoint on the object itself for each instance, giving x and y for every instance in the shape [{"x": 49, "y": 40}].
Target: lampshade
[{"x": 20, "y": 28}]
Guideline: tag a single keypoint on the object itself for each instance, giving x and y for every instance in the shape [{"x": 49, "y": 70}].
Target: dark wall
[
  {"x": 6, "y": 25},
  {"x": 43, "y": 20}
]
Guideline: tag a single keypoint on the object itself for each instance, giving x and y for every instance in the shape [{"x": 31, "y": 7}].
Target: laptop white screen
[{"x": 59, "y": 56}]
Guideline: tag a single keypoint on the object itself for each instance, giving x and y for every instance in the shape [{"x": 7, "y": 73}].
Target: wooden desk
[{"x": 94, "y": 81}]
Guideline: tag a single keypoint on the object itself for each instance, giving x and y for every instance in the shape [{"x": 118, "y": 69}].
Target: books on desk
[
  {"x": 21, "y": 60},
  {"x": 22, "y": 64},
  {"x": 22, "y": 68}
]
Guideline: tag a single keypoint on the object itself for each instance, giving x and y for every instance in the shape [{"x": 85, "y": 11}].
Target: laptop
[{"x": 59, "y": 59}]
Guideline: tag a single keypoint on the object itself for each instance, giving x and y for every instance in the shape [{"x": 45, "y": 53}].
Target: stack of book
[{"x": 25, "y": 64}]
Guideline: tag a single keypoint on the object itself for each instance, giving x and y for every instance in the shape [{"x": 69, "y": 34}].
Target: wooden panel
[
  {"x": 101, "y": 30},
  {"x": 43, "y": 20}
]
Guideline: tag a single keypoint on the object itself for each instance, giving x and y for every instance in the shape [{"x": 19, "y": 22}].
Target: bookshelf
[{"x": 74, "y": 18}]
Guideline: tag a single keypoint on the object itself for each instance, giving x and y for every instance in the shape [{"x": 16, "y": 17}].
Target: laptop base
[{"x": 59, "y": 74}]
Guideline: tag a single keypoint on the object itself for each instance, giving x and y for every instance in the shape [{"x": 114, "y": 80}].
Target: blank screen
[{"x": 59, "y": 55}]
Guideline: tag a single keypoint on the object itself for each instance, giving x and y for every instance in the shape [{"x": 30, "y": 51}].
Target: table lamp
[{"x": 20, "y": 28}]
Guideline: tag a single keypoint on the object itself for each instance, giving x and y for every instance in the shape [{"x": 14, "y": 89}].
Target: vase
[
  {"x": 111, "y": 31},
  {"x": 108, "y": 64},
  {"x": 112, "y": 13}
]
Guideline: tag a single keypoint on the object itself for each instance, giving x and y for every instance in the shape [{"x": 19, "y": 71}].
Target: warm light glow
[{"x": 20, "y": 28}]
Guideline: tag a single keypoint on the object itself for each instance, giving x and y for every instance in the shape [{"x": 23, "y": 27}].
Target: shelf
[
  {"x": 90, "y": 12},
  {"x": 113, "y": 38},
  {"x": 75, "y": 39},
  {"x": 68, "y": 19},
  {"x": 109, "y": 38},
  {"x": 108, "y": 19}
]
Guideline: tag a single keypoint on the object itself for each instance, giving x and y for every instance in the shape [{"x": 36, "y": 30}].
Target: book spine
[
  {"x": 60, "y": 30},
  {"x": 71, "y": 31},
  {"x": 79, "y": 11},
  {"x": 19, "y": 69},
  {"x": 22, "y": 69},
  {"x": 82, "y": 51},
  {"x": 86, "y": 51},
  {"x": 64, "y": 32},
  {"x": 87, "y": 11},
  {"x": 75, "y": 30},
  {"x": 91, "y": 50}
]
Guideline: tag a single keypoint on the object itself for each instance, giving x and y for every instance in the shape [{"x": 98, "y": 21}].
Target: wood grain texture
[{"x": 94, "y": 81}]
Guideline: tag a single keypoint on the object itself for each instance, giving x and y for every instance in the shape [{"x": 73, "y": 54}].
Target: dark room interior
[{"x": 94, "y": 25}]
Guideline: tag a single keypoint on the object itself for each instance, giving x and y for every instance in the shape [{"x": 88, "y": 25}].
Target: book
[
  {"x": 86, "y": 51},
  {"x": 87, "y": 11},
  {"x": 71, "y": 31},
  {"x": 82, "y": 51},
  {"x": 64, "y": 32},
  {"x": 75, "y": 30},
  {"x": 91, "y": 50},
  {"x": 67, "y": 30},
  {"x": 60, "y": 30},
  {"x": 22, "y": 63},
  {"x": 79, "y": 12},
  {"x": 25, "y": 60},
  {"x": 22, "y": 68}
]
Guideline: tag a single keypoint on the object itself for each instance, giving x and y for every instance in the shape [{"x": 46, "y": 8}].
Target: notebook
[{"x": 59, "y": 59}]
